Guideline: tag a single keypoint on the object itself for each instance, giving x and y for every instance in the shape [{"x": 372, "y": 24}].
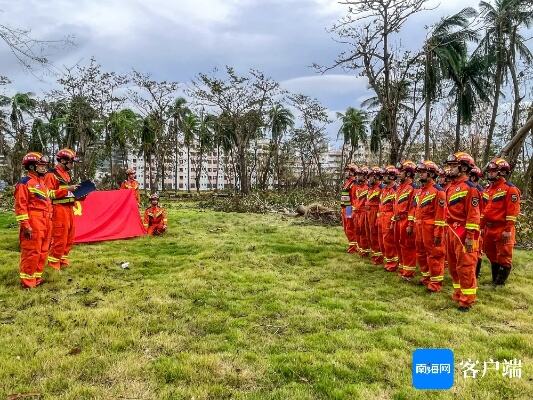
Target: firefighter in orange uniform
[
  {"x": 463, "y": 219},
  {"x": 347, "y": 194},
  {"x": 428, "y": 222},
  {"x": 359, "y": 212},
  {"x": 59, "y": 183},
  {"x": 502, "y": 206},
  {"x": 475, "y": 175},
  {"x": 155, "y": 217},
  {"x": 33, "y": 211},
  {"x": 371, "y": 220},
  {"x": 405, "y": 243},
  {"x": 132, "y": 184},
  {"x": 385, "y": 218}
]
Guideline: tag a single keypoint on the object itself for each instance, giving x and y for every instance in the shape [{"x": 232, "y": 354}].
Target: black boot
[
  {"x": 495, "y": 269},
  {"x": 478, "y": 268},
  {"x": 503, "y": 275}
]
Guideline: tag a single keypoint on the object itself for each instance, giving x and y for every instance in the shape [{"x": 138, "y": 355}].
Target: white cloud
[{"x": 326, "y": 84}]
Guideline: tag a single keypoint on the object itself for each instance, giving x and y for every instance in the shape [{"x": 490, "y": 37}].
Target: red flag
[{"x": 107, "y": 215}]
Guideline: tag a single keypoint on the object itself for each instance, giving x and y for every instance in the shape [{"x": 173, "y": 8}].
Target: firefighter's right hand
[
  {"x": 72, "y": 188},
  {"x": 437, "y": 240},
  {"x": 409, "y": 230},
  {"x": 27, "y": 232},
  {"x": 469, "y": 245}
]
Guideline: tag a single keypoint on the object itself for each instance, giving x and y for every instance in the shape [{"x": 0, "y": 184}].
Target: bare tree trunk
[
  {"x": 458, "y": 125},
  {"x": 218, "y": 167},
  {"x": 427, "y": 153},
  {"x": 492, "y": 126}
]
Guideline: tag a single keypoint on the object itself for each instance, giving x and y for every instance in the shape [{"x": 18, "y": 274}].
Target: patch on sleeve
[
  {"x": 514, "y": 198},
  {"x": 441, "y": 202},
  {"x": 475, "y": 201}
]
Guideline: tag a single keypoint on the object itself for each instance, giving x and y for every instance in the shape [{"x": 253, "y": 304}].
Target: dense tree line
[{"x": 467, "y": 87}]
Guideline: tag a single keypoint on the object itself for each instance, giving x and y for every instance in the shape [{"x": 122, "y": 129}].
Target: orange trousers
[
  {"x": 361, "y": 238},
  {"x": 386, "y": 240},
  {"x": 496, "y": 250},
  {"x": 156, "y": 229},
  {"x": 406, "y": 249},
  {"x": 349, "y": 230},
  {"x": 62, "y": 236},
  {"x": 430, "y": 258},
  {"x": 33, "y": 251},
  {"x": 462, "y": 266},
  {"x": 372, "y": 234}
]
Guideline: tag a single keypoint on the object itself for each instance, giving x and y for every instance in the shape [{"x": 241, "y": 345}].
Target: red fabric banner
[{"x": 107, "y": 215}]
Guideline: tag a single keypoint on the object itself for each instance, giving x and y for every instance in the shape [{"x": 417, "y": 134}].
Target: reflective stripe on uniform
[
  {"x": 438, "y": 278},
  {"x": 22, "y": 217},
  {"x": 469, "y": 291}
]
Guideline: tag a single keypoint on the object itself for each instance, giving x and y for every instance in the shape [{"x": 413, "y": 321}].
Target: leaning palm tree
[
  {"x": 353, "y": 130},
  {"x": 444, "y": 49},
  {"x": 21, "y": 104},
  {"x": 280, "y": 119},
  {"x": 503, "y": 20},
  {"x": 471, "y": 88}
]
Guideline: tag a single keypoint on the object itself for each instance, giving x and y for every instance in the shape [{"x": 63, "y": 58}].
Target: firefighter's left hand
[
  {"x": 506, "y": 237},
  {"x": 409, "y": 230}
]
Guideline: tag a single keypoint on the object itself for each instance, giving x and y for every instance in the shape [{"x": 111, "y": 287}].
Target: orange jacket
[
  {"x": 132, "y": 185},
  {"x": 347, "y": 192},
  {"x": 372, "y": 197},
  {"x": 57, "y": 181},
  {"x": 501, "y": 203},
  {"x": 387, "y": 197},
  {"x": 155, "y": 215},
  {"x": 462, "y": 200},
  {"x": 403, "y": 201},
  {"x": 31, "y": 194},
  {"x": 429, "y": 207},
  {"x": 361, "y": 190}
]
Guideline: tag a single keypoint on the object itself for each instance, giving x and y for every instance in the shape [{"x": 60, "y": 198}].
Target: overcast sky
[{"x": 176, "y": 39}]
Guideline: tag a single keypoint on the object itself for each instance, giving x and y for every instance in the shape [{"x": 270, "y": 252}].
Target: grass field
[{"x": 246, "y": 306}]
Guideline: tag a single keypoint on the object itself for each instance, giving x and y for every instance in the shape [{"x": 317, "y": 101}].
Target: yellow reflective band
[
  {"x": 458, "y": 195},
  {"x": 362, "y": 194},
  {"x": 425, "y": 274},
  {"x": 440, "y": 223},
  {"x": 457, "y": 286},
  {"x": 22, "y": 217},
  {"x": 389, "y": 197},
  {"x": 38, "y": 274},
  {"x": 469, "y": 291},
  {"x": 438, "y": 278},
  {"x": 64, "y": 257},
  {"x": 427, "y": 199},
  {"x": 404, "y": 196},
  {"x": 53, "y": 259},
  {"x": 352, "y": 243},
  {"x": 63, "y": 186},
  {"x": 510, "y": 218},
  {"x": 64, "y": 200},
  {"x": 25, "y": 276},
  {"x": 409, "y": 268},
  {"x": 410, "y": 218},
  {"x": 486, "y": 196},
  {"x": 472, "y": 226},
  {"x": 37, "y": 191},
  {"x": 372, "y": 195},
  {"x": 498, "y": 195}
]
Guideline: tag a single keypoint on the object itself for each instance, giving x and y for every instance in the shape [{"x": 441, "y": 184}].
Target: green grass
[{"x": 245, "y": 306}]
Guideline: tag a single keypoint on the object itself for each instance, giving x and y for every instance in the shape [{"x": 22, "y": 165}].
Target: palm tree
[
  {"x": 148, "y": 139},
  {"x": 502, "y": 22},
  {"x": 205, "y": 140},
  {"x": 280, "y": 120},
  {"x": 177, "y": 113},
  {"x": 443, "y": 51},
  {"x": 471, "y": 87},
  {"x": 21, "y": 104},
  {"x": 353, "y": 130},
  {"x": 124, "y": 128},
  {"x": 190, "y": 130}
]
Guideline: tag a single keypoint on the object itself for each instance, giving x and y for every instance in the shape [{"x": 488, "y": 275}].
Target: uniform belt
[
  {"x": 40, "y": 213},
  {"x": 494, "y": 223},
  {"x": 400, "y": 217}
]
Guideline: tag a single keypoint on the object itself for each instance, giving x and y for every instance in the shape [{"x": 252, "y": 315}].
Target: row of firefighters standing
[
  {"x": 44, "y": 209},
  {"x": 447, "y": 219}
]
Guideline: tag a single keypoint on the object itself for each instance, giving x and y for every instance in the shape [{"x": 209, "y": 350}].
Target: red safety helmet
[
  {"x": 130, "y": 171},
  {"x": 429, "y": 166},
  {"x": 476, "y": 172},
  {"x": 391, "y": 170},
  {"x": 364, "y": 170},
  {"x": 498, "y": 164},
  {"x": 67, "y": 154},
  {"x": 154, "y": 196},
  {"x": 375, "y": 171},
  {"x": 34, "y": 158},
  {"x": 407, "y": 166},
  {"x": 461, "y": 158}
]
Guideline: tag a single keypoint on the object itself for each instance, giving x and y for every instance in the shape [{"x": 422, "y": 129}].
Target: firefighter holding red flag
[
  {"x": 132, "y": 184},
  {"x": 428, "y": 221},
  {"x": 155, "y": 217},
  {"x": 502, "y": 206},
  {"x": 33, "y": 212},
  {"x": 463, "y": 219},
  {"x": 404, "y": 238},
  {"x": 59, "y": 182},
  {"x": 347, "y": 198},
  {"x": 385, "y": 218}
]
